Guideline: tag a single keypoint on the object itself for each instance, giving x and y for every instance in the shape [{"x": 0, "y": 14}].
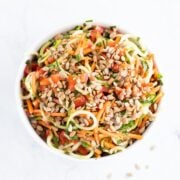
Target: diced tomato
[
  {"x": 30, "y": 67},
  {"x": 104, "y": 89},
  {"x": 82, "y": 150},
  {"x": 42, "y": 88},
  {"x": 40, "y": 70},
  {"x": 55, "y": 78},
  {"x": 93, "y": 35},
  {"x": 50, "y": 59},
  {"x": 47, "y": 132},
  {"x": 80, "y": 101},
  {"x": 89, "y": 43},
  {"x": 26, "y": 70},
  {"x": 115, "y": 68},
  {"x": 75, "y": 141},
  {"x": 118, "y": 91},
  {"x": 62, "y": 138},
  {"x": 34, "y": 67},
  {"x": 84, "y": 78},
  {"x": 71, "y": 83}
]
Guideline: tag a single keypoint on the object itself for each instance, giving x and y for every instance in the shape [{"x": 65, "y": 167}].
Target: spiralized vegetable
[
  {"x": 80, "y": 112},
  {"x": 91, "y": 91}
]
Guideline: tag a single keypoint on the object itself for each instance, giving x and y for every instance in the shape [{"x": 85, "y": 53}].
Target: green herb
[
  {"x": 104, "y": 42},
  {"x": 112, "y": 27},
  {"x": 128, "y": 126},
  {"x": 159, "y": 77},
  {"x": 54, "y": 65},
  {"x": 28, "y": 61},
  {"x": 75, "y": 137},
  {"x": 78, "y": 57},
  {"x": 89, "y": 20},
  {"x": 99, "y": 77},
  {"x": 76, "y": 92},
  {"x": 114, "y": 75},
  {"x": 150, "y": 99},
  {"x": 99, "y": 44},
  {"x": 85, "y": 144},
  {"x": 119, "y": 141},
  {"x": 125, "y": 100},
  {"x": 56, "y": 43},
  {"x": 55, "y": 141},
  {"x": 123, "y": 112},
  {"x": 106, "y": 85},
  {"x": 78, "y": 27},
  {"x": 37, "y": 118},
  {"x": 107, "y": 35},
  {"x": 127, "y": 59},
  {"x": 136, "y": 42},
  {"x": 138, "y": 39},
  {"x": 145, "y": 65},
  {"x": 66, "y": 36}
]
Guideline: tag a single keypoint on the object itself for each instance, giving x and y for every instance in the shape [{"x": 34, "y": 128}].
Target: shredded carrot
[
  {"x": 54, "y": 78},
  {"x": 34, "y": 83},
  {"x": 56, "y": 114},
  {"x": 135, "y": 136},
  {"x": 95, "y": 113},
  {"x": 98, "y": 151},
  {"x": 29, "y": 105},
  {"x": 117, "y": 39},
  {"x": 111, "y": 134},
  {"x": 101, "y": 136},
  {"x": 44, "y": 82},
  {"x": 90, "y": 121},
  {"x": 46, "y": 62},
  {"x": 113, "y": 104},
  {"x": 45, "y": 124},
  {"x": 120, "y": 135},
  {"x": 87, "y": 50},
  {"x": 99, "y": 114},
  {"x": 105, "y": 108},
  {"x": 37, "y": 111},
  {"x": 71, "y": 52},
  {"x": 36, "y": 103},
  {"x": 96, "y": 135},
  {"x": 142, "y": 122},
  {"x": 108, "y": 145},
  {"x": 103, "y": 117},
  {"x": 93, "y": 66},
  {"x": 158, "y": 97},
  {"x": 111, "y": 43},
  {"x": 156, "y": 89}
]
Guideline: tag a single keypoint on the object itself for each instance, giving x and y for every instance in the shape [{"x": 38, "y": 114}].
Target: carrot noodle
[{"x": 91, "y": 91}]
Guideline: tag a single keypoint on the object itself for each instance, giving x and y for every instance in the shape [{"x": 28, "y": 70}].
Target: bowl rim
[{"x": 34, "y": 47}]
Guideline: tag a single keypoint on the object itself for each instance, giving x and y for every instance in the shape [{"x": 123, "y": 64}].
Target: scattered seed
[
  {"x": 129, "y": 174},
  {"x": 152, "y": 147},
  {"x": 137, "y": 167}
]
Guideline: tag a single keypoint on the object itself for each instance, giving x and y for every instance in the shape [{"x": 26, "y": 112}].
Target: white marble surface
[{"x": 23, "y": 22}]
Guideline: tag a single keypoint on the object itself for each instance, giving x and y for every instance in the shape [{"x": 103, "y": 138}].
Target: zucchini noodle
[
  {"x": 80, "y": 112},
  {"x": 91, "y": 91}
]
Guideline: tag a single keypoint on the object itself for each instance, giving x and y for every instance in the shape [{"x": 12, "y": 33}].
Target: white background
[{"x": 24, "y": 22}]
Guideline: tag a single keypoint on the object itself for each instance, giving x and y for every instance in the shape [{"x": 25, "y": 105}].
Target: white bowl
[{"x": 36, "y": 137}]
